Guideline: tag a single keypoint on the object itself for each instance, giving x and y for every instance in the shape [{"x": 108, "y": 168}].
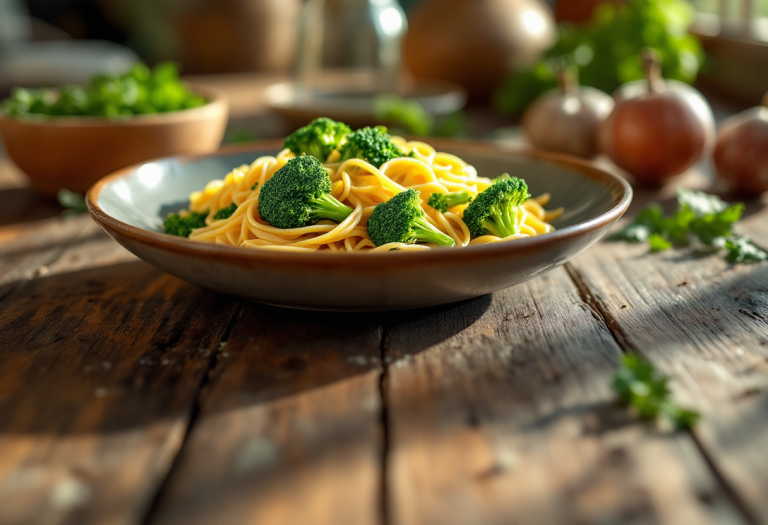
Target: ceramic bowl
[
  {"x": 338, "y": 98},
  {"x": 75, "y": 152},
  {"x": 130, "y": 205}
]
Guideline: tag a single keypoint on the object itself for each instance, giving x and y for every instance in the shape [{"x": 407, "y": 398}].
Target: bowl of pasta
[{"x": 345, "y": 220}]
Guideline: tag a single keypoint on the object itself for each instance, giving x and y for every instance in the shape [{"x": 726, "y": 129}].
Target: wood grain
[
  {"x": 705, "y": 323},
  {"x": 32, "y": 233},
  {"x": 508, "y": 419},
  {"x": 101, "y": 358},
  {"x": 289, "y": 426}
]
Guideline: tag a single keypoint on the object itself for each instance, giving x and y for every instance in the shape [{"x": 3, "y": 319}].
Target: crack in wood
[
  {"x": 194, "y": 412},
  {"x": 622, "y": 339},
  {"x": 599, "y": 311}
]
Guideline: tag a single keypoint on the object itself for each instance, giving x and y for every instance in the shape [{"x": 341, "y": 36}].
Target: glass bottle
[{"x": 354, "y": 43}]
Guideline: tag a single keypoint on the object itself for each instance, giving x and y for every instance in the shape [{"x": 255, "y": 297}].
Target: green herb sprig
[
  {"x": 407, "y": 116},
  {"x": 139, "y": 91},
  {"x": 700, "y": 216},
  {"x": 645, "y": 390},
  {"x": 605, "y": 50},
  {"x": 74, "y": 203}
]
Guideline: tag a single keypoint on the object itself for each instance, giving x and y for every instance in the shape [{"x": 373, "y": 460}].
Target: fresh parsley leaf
[
  {"x": 405, "y": 113},
  {"x": 701, "y": 215},
  {"x": 225, "y": 213},
  {"x": 73, "y": 202},
  {"x": 713, "y": 226},
  {"x": 658, "y": 243},
  {"x": 605, "y": 49},
  {"x": 138, "y": 91},
  {"x": 739, "y": 249},
  {"x": 646, "y": 223},
  {"x": 699, "y": 202},
  {"x": 642, "y": 388},
  {"x": 632, "y": 233}
]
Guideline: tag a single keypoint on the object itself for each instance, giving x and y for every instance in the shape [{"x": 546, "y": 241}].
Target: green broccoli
[
  {"x": 225, "y": 213},
  {"x": 401, "y": 219},
  {"x": 318, "y": 138},
  {"x": 442, "y": 201},
  {"x": 493, "y": 211},
  {"x": 372, "y": 145},
  {"x": 299, "y": 194},
  {"x": 183, "y": 226}
]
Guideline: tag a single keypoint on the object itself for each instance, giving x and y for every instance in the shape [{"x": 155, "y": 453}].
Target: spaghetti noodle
[{"x": 361, "y": 186}]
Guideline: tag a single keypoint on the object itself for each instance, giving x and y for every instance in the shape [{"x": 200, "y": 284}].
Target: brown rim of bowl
[
  {"x": 216, "y": 102},
  {"x": 617, "y": 185}
]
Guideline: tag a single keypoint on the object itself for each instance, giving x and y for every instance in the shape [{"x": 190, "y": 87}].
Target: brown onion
[
  {"x": 741, "y": 152},
  {"x": 659, "y": 128},
  {"x": 567, "y": 119}
]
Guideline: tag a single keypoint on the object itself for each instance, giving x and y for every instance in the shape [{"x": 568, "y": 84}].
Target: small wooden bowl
[{"x": 75, "y": 152}]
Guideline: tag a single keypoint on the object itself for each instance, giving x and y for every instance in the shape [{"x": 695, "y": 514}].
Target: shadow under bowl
[{"x": 130, "y": 205}]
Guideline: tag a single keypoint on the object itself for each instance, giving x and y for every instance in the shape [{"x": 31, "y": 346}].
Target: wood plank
[
  {"x": 289, "y": 426},
  {"x": 500, "y": 411},
  {"x": 32, "y": 233},
  {"x": 101, "y": 359},
  {"x": 705, "y": 323},
  {"x": 27, "y": 247}
]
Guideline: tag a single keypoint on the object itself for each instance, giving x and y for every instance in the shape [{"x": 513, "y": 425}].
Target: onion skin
[
  {"x": 658, "y": 129},
  {"x": 567, "y": 122},
  {"x": 741, "y": 152}
]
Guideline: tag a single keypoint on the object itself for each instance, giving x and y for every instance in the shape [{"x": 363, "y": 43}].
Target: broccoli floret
[
  {"x": 401, "y": 219},
  {"x": 225, "y": 213},
  {"x": 493, "y": 211},
  {"x": 372, "y": 145},
  {"x": 442, "y": 201},
  {"x": 299, "y": 194},
  {"x": 183, "y": 226},
  {"x": 318, "y": 138}
]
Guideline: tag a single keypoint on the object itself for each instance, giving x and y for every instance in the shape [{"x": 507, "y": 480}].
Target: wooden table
[{"x": 128, "y": 396}]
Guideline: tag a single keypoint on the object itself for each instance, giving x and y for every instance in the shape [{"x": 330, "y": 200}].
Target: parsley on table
[
  {"x": 73, "y": 202},
  {"x": 699, "y": 215},
  {"x": 642, "y": 388}
]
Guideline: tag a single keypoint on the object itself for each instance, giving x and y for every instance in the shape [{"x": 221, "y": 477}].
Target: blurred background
[{"x": 283, "y": 61}]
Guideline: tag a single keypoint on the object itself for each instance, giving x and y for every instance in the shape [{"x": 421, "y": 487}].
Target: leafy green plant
[
  {"x": 409, "y": 117},
  {"x": 606, "y": 50},
  {"x": 700, "y": 216},
  {"x": 139, "y": 91},
  {"x": 74, "y": 203},
  {"x": 640, "y": 387}
]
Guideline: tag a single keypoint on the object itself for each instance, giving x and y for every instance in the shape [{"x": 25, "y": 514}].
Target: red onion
[
  {"x": 741, "y": 152},
  {"x": 659, "y": 128}
]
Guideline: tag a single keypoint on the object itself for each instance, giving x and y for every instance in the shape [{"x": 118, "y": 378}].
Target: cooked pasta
[{"x": 361, "y": 186}]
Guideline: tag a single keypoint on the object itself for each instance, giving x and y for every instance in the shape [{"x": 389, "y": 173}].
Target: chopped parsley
[
  {"x": 643, "y": 389},
  {"x": 700, "y": 216}
]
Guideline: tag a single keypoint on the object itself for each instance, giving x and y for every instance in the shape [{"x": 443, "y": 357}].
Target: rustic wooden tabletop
[{"x": 128, "y": 396}]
